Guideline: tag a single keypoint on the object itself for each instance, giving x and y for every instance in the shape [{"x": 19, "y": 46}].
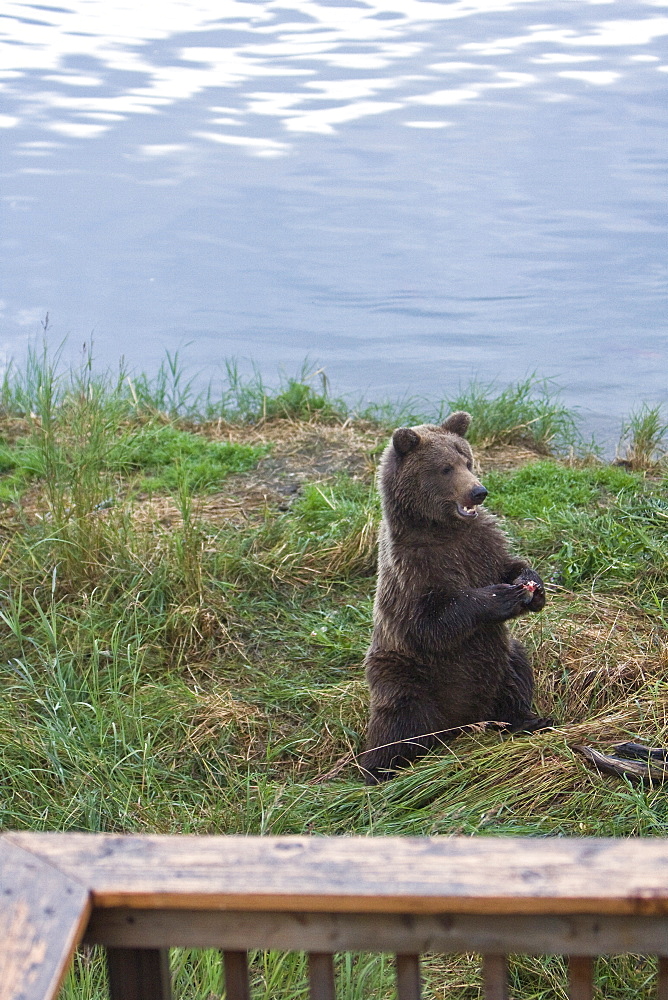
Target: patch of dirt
[{"x": 300, "y": 453}]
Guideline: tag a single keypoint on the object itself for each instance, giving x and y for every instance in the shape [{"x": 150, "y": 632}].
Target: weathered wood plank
[
  {"x": 42, "y": 916},
  {"x": 409, "y": 986},
  {"x": 581, "y": 978},
  {"x": 237, "y": 986},
  {"x": 321, "y": 976},
  {"x": 325, "y": 932},
  {"x": 428, "y": 875},
  {"x": 139, "y": 974},
  {"x": 495, "y": 977}
]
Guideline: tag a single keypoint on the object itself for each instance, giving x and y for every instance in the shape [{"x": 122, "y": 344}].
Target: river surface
[{"x": 409, "y": 193}]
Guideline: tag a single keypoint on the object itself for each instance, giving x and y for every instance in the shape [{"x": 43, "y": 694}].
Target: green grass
[
  {"x": 20, "y": 464},
  {"x": 598, "y": 526},
  {"x": 527, "y": 412},
  {"x": 544, "y": 487},
  {"x": 643, "y": 437},
  {"x": 175, "y": 664},
  {"x": 154, "y": 457},
  {"x": 170, "y": 458}
]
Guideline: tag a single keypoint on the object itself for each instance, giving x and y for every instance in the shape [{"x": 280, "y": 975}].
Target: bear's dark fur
[{"x": 441, "y": 656}]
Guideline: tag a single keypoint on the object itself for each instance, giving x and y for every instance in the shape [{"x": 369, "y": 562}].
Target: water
[{"x": 411, "y": 193}]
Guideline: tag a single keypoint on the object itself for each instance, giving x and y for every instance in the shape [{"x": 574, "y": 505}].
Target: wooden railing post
[
  {"x": 662, "y": 980},
  {"x": 139, "y": 974},
  {"x": 236, "y": 975},
  {"x": 581, "y": 977},
  {"x": 408, "y": 977},
  {"x": 495, "y": 977},
  {"x": 321, "y": 976}
]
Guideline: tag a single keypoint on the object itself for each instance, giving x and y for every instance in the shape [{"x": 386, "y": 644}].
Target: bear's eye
[
  {"x": 469, "y": 465},
  {"x": 446, "y": 469}
]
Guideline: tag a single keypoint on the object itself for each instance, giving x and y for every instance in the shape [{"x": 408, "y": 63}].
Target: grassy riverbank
[{"x": 187, "y": 588}]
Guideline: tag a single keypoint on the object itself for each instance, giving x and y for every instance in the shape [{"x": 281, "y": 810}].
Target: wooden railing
[{"x": 140, "y": 895}]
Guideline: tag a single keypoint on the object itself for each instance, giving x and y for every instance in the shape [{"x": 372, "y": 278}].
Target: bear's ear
[
  {"x": 405, "y": 439},
  {"x": 457, "y": 423}
]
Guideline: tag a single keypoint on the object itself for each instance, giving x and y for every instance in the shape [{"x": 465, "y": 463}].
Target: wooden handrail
[{"x": 139, "y": 895}]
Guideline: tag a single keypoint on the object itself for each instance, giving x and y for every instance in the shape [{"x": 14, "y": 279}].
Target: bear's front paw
[
  {"x": 509, "y": 599},
  {"x": 534, "y": 589}
]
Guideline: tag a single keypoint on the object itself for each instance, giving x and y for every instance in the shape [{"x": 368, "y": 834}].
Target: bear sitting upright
[{"x": 441, "y": 656}]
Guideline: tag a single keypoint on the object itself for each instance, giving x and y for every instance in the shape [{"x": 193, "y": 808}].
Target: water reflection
[
  {"x": 430, "y": 179},
  {"x": 109, "y": 61}
]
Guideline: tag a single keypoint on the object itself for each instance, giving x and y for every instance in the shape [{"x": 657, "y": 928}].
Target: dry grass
[
  {"x": 185, "y": 661},
  {"x": 597, "y": 654},
  {"x": 219, "y": 710},
  {"x": 504, "y": 458}
]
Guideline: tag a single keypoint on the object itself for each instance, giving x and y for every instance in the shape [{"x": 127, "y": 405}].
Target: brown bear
[{"x": 441, "y": 656}]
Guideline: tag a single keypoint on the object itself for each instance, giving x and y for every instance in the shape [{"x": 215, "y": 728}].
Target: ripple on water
[{"x": 479, "y": 184}]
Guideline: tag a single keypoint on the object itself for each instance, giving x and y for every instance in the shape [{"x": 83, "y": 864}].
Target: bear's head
[{"x": 427, "y": 473}]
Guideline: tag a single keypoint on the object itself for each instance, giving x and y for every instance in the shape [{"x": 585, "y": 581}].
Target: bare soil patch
[{"x": 303, "y": 452}]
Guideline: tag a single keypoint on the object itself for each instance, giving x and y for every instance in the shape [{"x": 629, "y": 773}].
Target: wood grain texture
[
  {"x": 43, "y": 914},
  {"x": 392, "y": 932},
  {"x": 356, "y": 874},
  {"x": 139, "y": 974}
]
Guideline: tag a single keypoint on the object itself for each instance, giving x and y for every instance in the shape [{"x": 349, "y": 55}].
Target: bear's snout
[{"x": 478, "y": 494}]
